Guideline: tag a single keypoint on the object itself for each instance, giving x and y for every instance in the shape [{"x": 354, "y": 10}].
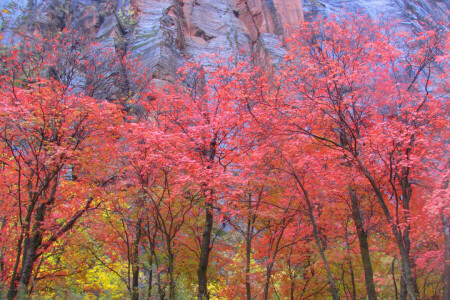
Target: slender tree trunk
[
  {"x": 292, "y": 277},
  {"x": 403, "y": 286},
  {"x": 334, "y": 290},
  {"x": 267, "y": 283},
  {"x": 202, "y": 271},
  {"x": 292, "y": 289},
  {"x": 135, "y": 265},
  {"x": 161, "y": 292},
  {"x": 446, "y": 275},
  {"x": 404, "y": 255},
  {"x": 393, "y": 278},
  {"x": 248, "y": 253},
  {"x": 150, "y": 277},
  {"x": 407, "y": 194},
  {"x": 352, "y": 274},
  {"x": 12, "y": 291},
  {"x": 204, "y": 253},
  {"x": 171, "y": 277},
  {"x": 31, "y": 246},
  {"x": 363, "y": 246}
]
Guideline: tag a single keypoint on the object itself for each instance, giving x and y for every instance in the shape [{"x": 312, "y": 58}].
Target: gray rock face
[
  {"x": 269, "y": 51},
  {"x": 414, "y": 13},
  {"x": 162, "y": 33},
  {"x": 156, "y": 37},
  {"x": 211, "y": 27}
]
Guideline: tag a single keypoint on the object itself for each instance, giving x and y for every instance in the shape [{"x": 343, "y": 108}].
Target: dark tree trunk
[
  {"x": 446, "y": 274},
  {"x": 150, "y": 277},
  {"x": 352, "y": 273},
  {"x": 248, "y": 253},
  {"x": 171, "y": 277},
  {"x": 267, "y": 283},
  {"x": 12, "y": 291},
  {"x": 393, "y": 277},
  {"x": 31, "y": 246},
  {"x": 407, "y": 277},
  {"x": 135, "y": 265},
  {"x": 202, "y": 271},
  {"x": 292, "y": 290},
  {"x": 161, "y": 292},
  {"x": 204, "y": 253},
  {"x": 363, "y": 246},
  {"x": 334, "y": 290},
  {"x": 403, "y": 286}
]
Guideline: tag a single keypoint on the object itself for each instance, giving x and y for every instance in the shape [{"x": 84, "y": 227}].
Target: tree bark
[
  {"x": 171, "y": 276},
  {"x": 404, "y": 254},
  {"x": 363, "y": 246},
  {"x": 352, "y": 273},
  {"x": 267, "y": 283},
  {"x": 150, "y": 277},
  {"x": 248, "y": 253},
  {"x": 393, "y": 277},
  {"x": 161, "y": 291},
  {"x": 334, "y": 290},
  {"x": 31, "y": 246},
  {"x": 202, "y": 271},
  {"x": 135, "y": 280},
  {"x": 446, "y": 274},
  {"x": 204, "y": 254}
]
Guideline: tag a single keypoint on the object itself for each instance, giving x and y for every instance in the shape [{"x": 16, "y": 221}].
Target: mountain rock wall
[{"x": 163, "y": 33}]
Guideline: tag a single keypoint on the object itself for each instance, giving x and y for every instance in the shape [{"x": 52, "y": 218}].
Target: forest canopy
[{"x": 323, "y": 178}]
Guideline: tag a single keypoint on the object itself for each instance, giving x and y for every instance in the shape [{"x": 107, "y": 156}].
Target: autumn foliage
[{"x": 327, "y": 178}]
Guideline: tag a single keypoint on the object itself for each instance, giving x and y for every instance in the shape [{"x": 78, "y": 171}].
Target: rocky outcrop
[
  {"x": 415, "y": 14},
  {"x": 157, "y": 38},
  {"x": 162, "y": 33},
  {"x": 268, "y": 16}
]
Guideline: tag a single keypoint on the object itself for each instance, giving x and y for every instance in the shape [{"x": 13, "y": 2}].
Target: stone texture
[
  {"x": 411, "y": 12},
  {"x": 269, "y": 52},
  {"x": 269, "y": 16},
  {"x": 212, "y": 27},
  {"x": 157, "y": 39},
  {"x": 162, "y": 33}
]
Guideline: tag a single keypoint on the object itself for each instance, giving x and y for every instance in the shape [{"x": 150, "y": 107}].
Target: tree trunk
[
  {"x": 334, "y": 290},
  {"x": 161, "y": 292},
  {"x": 403, "y": 286},
  {"x": 292, "y": 292},
  {"x": 363, "y": 246},
  {"x": 150, "y": 277},
  {"x": 204, "y": 253},
  {"x": 202, "y": 271},
  {"x": 446, "y": 274},
  {"x": 352, "y": 273},
  {"x": 31, "y": 246},
  {"x": 405, "y": 260},
  {"x": 267, "y": 283},
  {"x": 135, "y": 264},
  {"x": 248, "y": 253},
  {"x": 171, "y": 277},
  {"x": 12, "y": 291},
  {"x": 393, "y": 278}
]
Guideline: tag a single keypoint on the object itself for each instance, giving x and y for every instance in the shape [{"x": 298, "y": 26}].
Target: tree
[
  {"x": 204, "y": 112},
  {"x": 371, "y": 99},
  {"x": 48, "y": 139}
]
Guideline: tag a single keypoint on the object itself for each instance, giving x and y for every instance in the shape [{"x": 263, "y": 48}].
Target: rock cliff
[{"x": 162, "y": 33}]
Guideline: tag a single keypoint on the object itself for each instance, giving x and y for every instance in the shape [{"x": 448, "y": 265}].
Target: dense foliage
[{"x": 326, "y": 178}]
